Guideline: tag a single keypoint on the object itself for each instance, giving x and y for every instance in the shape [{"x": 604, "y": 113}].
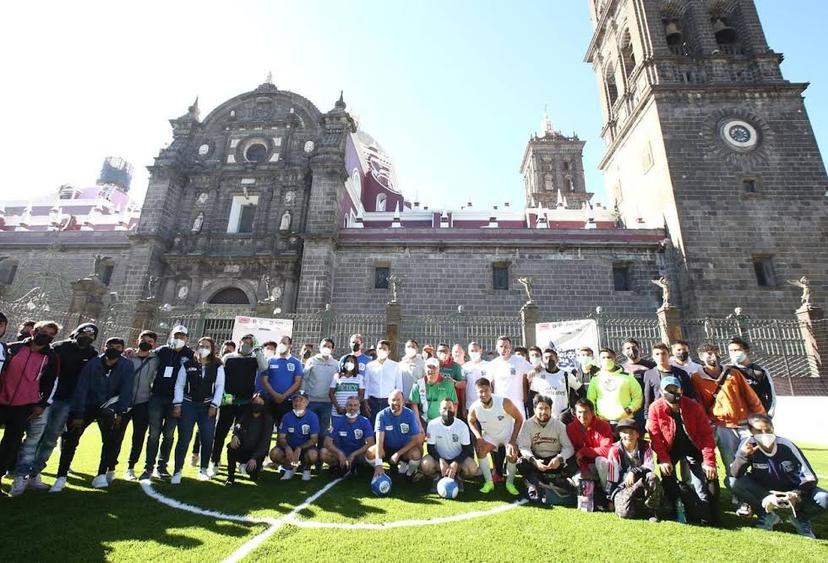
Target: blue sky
[{"x": 452, "y": 90}]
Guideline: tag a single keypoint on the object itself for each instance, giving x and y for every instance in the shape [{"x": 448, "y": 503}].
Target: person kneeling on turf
[
  {"x": 772, "y": 473},
  {"x": 632, "y": 484},
  {"x": 450, "y": 453},
  {"x": 298, "y": 436},
  {"x": 398, "y": 436},
  {"x": 349, "y": 439},
  {"x": 251, "y": 440},
  {"x": 547, "y": 458}
]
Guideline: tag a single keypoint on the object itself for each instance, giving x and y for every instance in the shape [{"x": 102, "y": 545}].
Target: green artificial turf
[{"x": 124, "y": 524}]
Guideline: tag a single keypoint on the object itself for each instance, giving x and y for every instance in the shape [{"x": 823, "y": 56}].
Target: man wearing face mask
[
  {"x": 549, "y": 380},
  {"x": 381, "y": 377},
  {"x": 635, "y": 365},
  {"x": 586, "y": 368},
  {"x": 450, "y": 451},
  {"x": 319, "y": 374},
  {"x": 728, "y": 400},
  {"x": 103, "y": 395},
  {"x": 27, "y": 382},
  {"x": 663, "y": 368},
  {"x": 281, "y": 380},
  {"x": 251, "y": 439},
  {"x": 144, "y": 368},
  {"x": 772, "y": 473},
  {"x": 298, "y": 438},
  {"x": 412, "y": 366},
  {"x": 162, "y": 424},
  {"x": 356, "y": 344},
  {"x": 429, "y": 392},
  {"x": 681, "y": 358},
  {"x": 240, "y": 371},
  {"x": 453, "y": 371},
  {"x": 758, "y": 378},
  {"x": 475, "y": 368},
  {"x": 43, "y": 432},
  {"x": 680, "y": 431},
  {"x": 349, "y": 439},
  {"x": 615, "y": 393},
  {"x": 508, "y": 373}
]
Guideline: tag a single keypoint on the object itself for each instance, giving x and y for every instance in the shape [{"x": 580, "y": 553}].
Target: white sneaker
[
  {"x": 306, "y": 475},
  {"x": 176, "y": 479},
  {"x": 287, "y": 475},
  {"x": 60, "y": 483},
  {"x": 110, "y": 476},
  {"x": 36, "y": 483},
  {"x": 204, "y": 475},
  {"x": 212, "y": 469},
  {"x": 402, "y": 467},
  {"x": 18, "y": 486},
  {"x": 100, "y": 482},
  {"x": 129, "y": 475}
]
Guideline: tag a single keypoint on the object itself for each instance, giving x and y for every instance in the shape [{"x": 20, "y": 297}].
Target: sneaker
[
  {"x": 194, "y": 459},
  {"x": 60, "y": 483},
  {"x": 653, "y": 519},
  {"x": 110, "y": 476},
  {"x": 487, "y": 487},
  {"x": 770, "y": 520},
  {"x": 176, "y": 479},
  {"x": 510, "y": 487},
  {"x": 803, "y": 527},
  {"x": 100, "y": 482},
  {"x": 402, "y": 467},
  {"x": 203, "y": 475},
  {"x": 163, "y": 473},
  {"x": 532, "y": 494},
  {"x": 744, "y": 510},
  {"x": 18, "y": 486},
  {"x": 129, "y": 475},
  {"x": 306, "y": 475},
  {"x": 287, "y": 475},
  {"x": 212, "y": 469},
  {"x": 146, "y": 476},
  {"x": 229, "y": 482},
  {"x": 434, "y": 485},
  {"x": 36, "y": 483}
]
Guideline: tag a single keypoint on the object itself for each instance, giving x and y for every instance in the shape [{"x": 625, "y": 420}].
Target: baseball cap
[
  {"x": 432, "y": 362},
  {"x": 670, "y": 380},
  {"x": 180, "y": 328},
  {"x": 301, "y": 393},
  {"x": 626, "y": 423},
  {"x": 86, "y": 327}
]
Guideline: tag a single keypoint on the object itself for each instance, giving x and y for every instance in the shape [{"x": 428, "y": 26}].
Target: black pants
[
  {"x": 557, "y": 477},
  {"x": 242, "y": 455},
  {"x": 14, "y": 420},
  {"x": 703, "y": 495},
  {"x": 111, "y": 438},
  {"x": 278, "y": 410},
  {"x": 139, "y": 416},
  {"x": 228, "y": 415}
]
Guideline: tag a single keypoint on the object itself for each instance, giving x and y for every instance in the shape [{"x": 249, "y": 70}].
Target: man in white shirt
[
  {"x": 508, "y": 373},
  {"x": 681, "y": 358},
  {"x": 475, "y": 368},
  {"x": 382, "y": 376},
  {"x": 550, "y": 380},
  {"x": 450, "y": 453}
]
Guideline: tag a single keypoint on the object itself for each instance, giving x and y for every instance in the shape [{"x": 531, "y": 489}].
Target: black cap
[
  {"x": 301, "y": 393},
  {"x": 86, "y": 327},
  {"x": 626, "y": 423}
]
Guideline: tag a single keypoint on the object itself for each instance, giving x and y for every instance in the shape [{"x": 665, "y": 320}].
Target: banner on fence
[
  {"x": 566, "y": 337},
  {"x": 263, "y": 329}
]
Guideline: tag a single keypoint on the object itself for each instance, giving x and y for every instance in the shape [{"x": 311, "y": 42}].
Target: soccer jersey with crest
[
  {"x": 508, "y": 376},
  {"x": 449, "y": 440},
  {"x": 298, "y": 430},
  {"x": 494, "y": 421}
]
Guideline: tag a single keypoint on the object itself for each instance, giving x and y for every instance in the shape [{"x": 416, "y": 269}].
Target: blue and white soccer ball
[
  {"x": 381, "y": 485},
  {"x": 447, "y": 488}
]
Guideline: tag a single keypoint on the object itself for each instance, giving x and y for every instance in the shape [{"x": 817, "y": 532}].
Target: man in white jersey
[
  {"x": 495, "y": 422},
  {"x": 508, "y": 373},
  {"x": 550, "y": 380},
  {"x": 450, "y": 452},
  {"x": 473, "y": 369}
]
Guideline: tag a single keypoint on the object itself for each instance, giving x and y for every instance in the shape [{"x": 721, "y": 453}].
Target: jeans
[
  {"x": 13, "y": 419},
  {"x": 57, "y": 415},
  {"x": 228, "y": 415},
  {"x": 161, "y": 423},
  {"x": 193, "y": 414},
  {"x": 26, "y": 455},
  {"x": 139, "y": 416},
  {"x": 323, "y": 411},
  {"x": 242, "y": 456},
  {"x": 814, "y": 500},
  {"x": 111, "y": 437},
  {"x": 707, "y": 491},
  {"x": 376, "y": 404}
]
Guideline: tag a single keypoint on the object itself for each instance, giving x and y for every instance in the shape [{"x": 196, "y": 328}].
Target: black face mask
[
  {"x": 448, "y": 418},
  {"x": 672, "y": 398},
  {"x": 42, "y": 339},
  {"x": 112, "y": 353},
  {"x": 682, "y": 356},
  {"x": 713, "y": 362},
  {"x": 83, "y": 341},
  {"x": 551, "y": 367},
  {"x": 257, "y": 408},
  {"x": 631, "y": 355},
  {"x": 144, "y": 346},
  {"x": 355, "y": 346}
]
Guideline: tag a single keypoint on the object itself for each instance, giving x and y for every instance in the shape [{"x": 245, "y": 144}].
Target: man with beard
[{"x": 450, "y": 451}]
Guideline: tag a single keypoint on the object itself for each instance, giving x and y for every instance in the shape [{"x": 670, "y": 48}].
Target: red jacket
[
  {"x": 662, "y": 429},
  {"x": 590, "y": 442}
]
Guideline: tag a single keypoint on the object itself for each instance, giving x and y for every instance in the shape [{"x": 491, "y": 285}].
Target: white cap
[
  {"x": 432, "y": 362},
  {"x": 180, "y": 328}
]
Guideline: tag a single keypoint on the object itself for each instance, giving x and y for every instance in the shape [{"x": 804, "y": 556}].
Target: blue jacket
[{"x": 97, "y": 385}]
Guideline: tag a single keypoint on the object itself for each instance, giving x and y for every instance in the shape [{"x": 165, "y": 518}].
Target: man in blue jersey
[
  {"x": 398, "y": 437},
  {"x": 349, "y": 439},
  {"x": 281, "y": 380},
  {"x": 772, "y": 473},
  {"x": 298, "y": 436}
]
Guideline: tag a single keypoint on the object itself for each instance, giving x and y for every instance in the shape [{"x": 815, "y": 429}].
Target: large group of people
[{"x": 629, "y": 434}]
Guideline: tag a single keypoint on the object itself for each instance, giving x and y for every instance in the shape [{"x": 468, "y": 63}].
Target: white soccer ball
[{"x": 447, "y": 488}]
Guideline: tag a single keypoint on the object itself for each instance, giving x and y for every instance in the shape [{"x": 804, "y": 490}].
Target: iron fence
[{"x": 459, "y": 327}]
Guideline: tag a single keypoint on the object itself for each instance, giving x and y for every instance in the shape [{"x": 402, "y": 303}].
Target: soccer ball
[
  {"x": 381, "y": 485},
  {"x": 447, "y": 488}
]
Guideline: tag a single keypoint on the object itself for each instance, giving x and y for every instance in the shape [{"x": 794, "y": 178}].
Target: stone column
[
  {"x": 669, "y": 323},
  {"x": 87, "y": 300},
  {"x": 528, "y": 320},
  {"x": 393, "y": 319},
  {"x": 814, "y": 330},
  {"x": 145, "y": 315}
]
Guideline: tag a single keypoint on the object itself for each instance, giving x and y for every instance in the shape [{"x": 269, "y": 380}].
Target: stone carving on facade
[
  {"x": 198, "y": 223},
  {"x": 527, "y": 283},
  {"x": 284, "y": 224},
  {"x": 664, "y": 284},
  {"x": 804, "y": 284},
  {"x": 393, "y": 283},
  {"x": 97, "y": 265},
  {"x": 290, "y": 196},
  {"x": 152, "y": 287}
]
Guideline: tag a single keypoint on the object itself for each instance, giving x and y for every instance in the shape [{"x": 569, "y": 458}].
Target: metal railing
[{"x": 459, "y": 327}]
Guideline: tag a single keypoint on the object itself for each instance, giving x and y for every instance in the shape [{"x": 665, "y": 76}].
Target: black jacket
[
  {"x": 71, "y": 359},
  {"x": 240, "y": 377},
  {"x": 164, "y": 384},
  {"x": 254, "y": 434}
]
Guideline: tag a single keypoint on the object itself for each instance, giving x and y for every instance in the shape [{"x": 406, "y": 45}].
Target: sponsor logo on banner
[
  {"x": 565, "y": 337},
  {"x": 262, "y": 329}
]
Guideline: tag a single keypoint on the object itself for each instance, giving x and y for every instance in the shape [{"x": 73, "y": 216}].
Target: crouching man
[
  {"x": 349, "y": 439},
  {"x": 632, "y": 484},
  {"x": 250, "y": 442},
  {"x": 298, "y": 436},
  {"x": 398, "y": 437},
  {"x": 450, "y": 451}
]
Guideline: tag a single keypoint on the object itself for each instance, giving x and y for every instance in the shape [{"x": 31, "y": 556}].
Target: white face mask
[
  {"x": 585, "y": 361},
  {"x": 738, "y": 357},
  {"x": 281, "y": 349},
  {"x": 204, "y": 352},
  {"x": 299, "y": 413},
  {"x": 178, "y": 343},
  {"x": 410, "y": 352},
  {"x": 536, "y": 361},
  {"x": 382, "y": 354},
  {"x": 766, "y": 440},
  {"x": 352, "y": 415},
  {"x": 349, "y": 366},
  {"x": 325, "y": 351},
  {"x": 475, "y": 356}
]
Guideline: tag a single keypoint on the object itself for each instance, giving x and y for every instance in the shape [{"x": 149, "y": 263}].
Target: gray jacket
[
  {"x": 319, "y": 373},
  {"x": 144, "y": 376}
]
